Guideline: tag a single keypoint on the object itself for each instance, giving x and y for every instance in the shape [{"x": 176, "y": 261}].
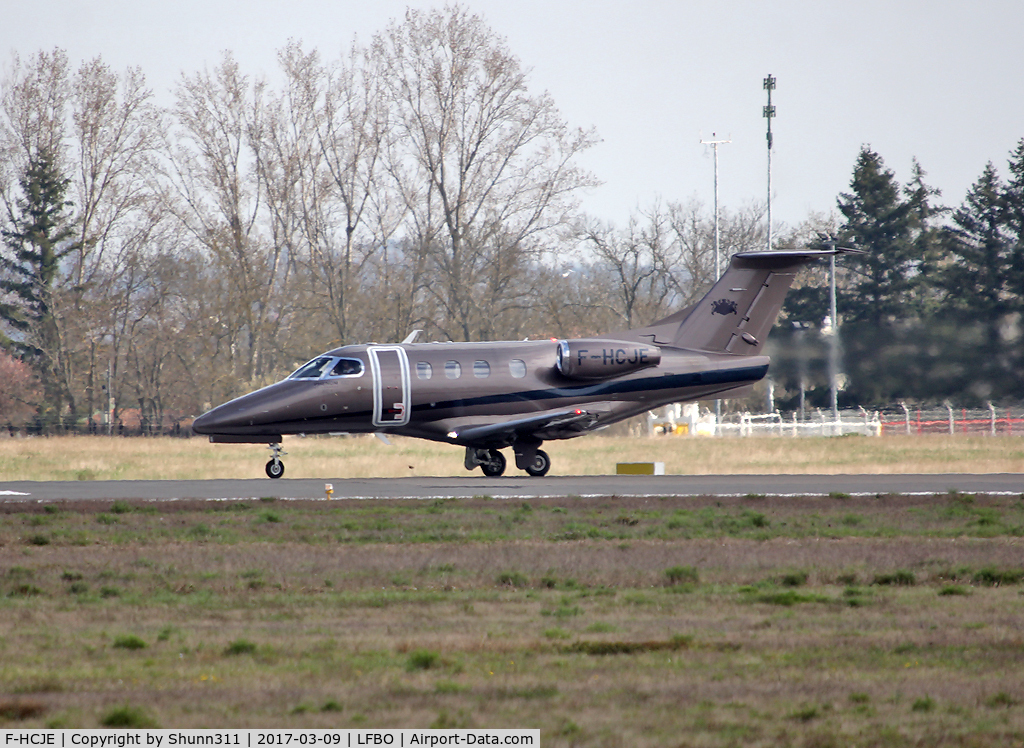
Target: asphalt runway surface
[{"x": 513, "y": 487}]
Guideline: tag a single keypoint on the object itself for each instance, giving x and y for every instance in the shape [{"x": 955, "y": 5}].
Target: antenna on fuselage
[{"x": 411, "y": 337}]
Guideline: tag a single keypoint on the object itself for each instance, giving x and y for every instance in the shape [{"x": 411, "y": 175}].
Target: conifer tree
[
  {"x": 40, "y": 236},
  {"x": 880, "y": 222},
  {"x": 1014, "y": 199},
  {"x": 978, "y": 298},
  {"x": 980, "y": 247}
]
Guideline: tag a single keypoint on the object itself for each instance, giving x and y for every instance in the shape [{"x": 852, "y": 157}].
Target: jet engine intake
[{"x": 603, "y": 359}]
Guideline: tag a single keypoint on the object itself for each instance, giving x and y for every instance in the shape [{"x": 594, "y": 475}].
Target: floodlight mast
[
  {"x": 830, "y": 242},
  {"x": 769, "y": 113},
  {"x": 718, "y": 252}
]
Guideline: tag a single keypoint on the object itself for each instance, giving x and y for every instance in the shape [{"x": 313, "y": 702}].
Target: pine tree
[
  {"x": 1013, "y": 195},
  {"x": 926, "y": 238},
  {"x": 978, "y": 282},
  {"x": 981, "y": 252},
  {"x": 40, "y": 237},
  {"x": 880, "y": 222}
]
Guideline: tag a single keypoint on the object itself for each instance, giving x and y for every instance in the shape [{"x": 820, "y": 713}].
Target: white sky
[{"x": 941, "y": 80}]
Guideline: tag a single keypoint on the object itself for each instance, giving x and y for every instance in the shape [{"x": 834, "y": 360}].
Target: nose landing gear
[{"x": 275, "y": 468}]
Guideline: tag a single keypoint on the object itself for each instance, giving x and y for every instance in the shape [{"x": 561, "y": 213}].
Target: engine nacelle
[{"x": 603, "y": 359}]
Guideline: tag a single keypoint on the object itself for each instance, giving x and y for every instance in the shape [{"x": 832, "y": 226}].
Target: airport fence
[
  {"x": 910, "y": 421},
  {"x": 693, "y": 420}
]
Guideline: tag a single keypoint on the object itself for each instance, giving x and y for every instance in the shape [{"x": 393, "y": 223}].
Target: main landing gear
[
  {"x": 275, "y": 468},
  {"x": 539, "y": 465},
  {"x": 534, "y": 461}
]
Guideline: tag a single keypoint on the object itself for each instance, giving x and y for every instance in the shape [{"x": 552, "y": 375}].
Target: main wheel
[
  {"x": 540, "y": 465},
  {"x": 275, "y": 469},
  {"x": 495, "y": 464}
]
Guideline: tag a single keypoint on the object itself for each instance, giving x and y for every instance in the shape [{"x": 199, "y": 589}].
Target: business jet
[{"x": 516, "y": 395}]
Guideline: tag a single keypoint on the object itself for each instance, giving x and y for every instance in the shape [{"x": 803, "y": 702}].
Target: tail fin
[{"x": 738, "y": 312}]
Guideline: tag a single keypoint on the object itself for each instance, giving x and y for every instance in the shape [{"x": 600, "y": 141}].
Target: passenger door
[{"x": 389, "y": 367}]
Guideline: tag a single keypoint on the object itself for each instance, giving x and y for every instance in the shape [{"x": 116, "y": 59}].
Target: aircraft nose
[
  {"x": 250, "y": 414},
  {"x": 210, "y": 421},
  {"x": 246, "y": 411}
]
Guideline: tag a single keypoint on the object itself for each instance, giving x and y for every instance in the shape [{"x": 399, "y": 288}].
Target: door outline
[{"x": 404, "y": 383}]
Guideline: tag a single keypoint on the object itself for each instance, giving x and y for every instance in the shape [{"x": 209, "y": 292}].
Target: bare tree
[
  {"x": 663, "y": 260},
  {"x": 115, "y": 129},
  {"x": 218, "y": 196},
  {"x": 634, "y": 262},
  {"x": 486, "y": 170},
  {"x": 115, "y": 133},
  {"x": 690, "y": 266},
  {"x": 102, "y": 127},
  {"x": 324, "y": 135},
  {"x": 352, "y": 135},
  {"x": 34, "y": 101}
]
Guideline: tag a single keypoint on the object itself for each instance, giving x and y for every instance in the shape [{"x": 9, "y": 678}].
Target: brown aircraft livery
[{"x": 490, "y": 396}]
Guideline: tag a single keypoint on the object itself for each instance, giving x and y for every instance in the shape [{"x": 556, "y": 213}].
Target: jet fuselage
[
  {"x": 489, "y": 396},
  {"x": 435, "y": 390}
]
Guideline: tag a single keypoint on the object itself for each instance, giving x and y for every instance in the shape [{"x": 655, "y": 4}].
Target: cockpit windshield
[
  {"x": 329, "y": 366},
  {"x": 314, "y": 369},
  {"x": 347, "y": 367}
]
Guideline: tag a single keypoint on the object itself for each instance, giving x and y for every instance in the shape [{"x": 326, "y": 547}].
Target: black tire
[
  {"x": 540, "y": 465},
  {"x": 495, "y": 464},
  {"x": 275, "y": 469}
]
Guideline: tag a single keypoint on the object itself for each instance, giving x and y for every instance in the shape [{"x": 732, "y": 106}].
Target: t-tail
[{"x": 737, "y": 314}]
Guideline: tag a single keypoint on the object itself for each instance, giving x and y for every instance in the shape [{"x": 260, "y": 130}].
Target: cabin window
[
  {"x": 347, "y": 367},
  {"x": 452, "y": 369},
  {"x": 517, "y": 368},
  {"x": 424, "y": 370},
  {"x": 314, "y": 369},
  {"x": 481, "y": 369}
]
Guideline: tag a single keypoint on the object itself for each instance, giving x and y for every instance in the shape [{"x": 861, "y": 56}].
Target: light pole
[
  {"x": 833, "y": 349},
  {"x": 769, "y": 113},
  {"x": 718, "y": 252}
]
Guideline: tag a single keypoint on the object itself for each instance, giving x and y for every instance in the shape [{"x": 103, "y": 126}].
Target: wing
[{"x": 558, "y": 424}]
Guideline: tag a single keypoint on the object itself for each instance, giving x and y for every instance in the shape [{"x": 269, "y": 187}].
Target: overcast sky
[{"x": 941, "y": 81}]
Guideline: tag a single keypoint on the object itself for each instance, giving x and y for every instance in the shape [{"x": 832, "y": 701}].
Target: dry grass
[
  {"x": 264, "y": 614},
  {"x": 101, "y": 458}
]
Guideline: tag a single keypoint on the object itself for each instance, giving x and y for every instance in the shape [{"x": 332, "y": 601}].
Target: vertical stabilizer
[{"x": 738, "y": 312}]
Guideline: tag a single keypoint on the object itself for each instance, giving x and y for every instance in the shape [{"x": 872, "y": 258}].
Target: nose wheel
[{"x": 275, "y": 467}]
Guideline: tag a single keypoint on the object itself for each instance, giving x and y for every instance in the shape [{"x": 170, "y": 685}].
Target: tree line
[
  {"x": 932, "y": 309},
  {"x": 160, "y": 259}
]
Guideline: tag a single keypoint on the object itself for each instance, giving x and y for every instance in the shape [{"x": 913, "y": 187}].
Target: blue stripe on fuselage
[{"x": 605, "y": 390}]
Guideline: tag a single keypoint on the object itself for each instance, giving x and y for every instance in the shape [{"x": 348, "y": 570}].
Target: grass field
[
  {"x": 830, "y": 621},
  {"x": 101, "y": 458}
]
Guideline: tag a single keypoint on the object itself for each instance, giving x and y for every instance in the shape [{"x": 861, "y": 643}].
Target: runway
[{"x": 512, "y": 487}]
